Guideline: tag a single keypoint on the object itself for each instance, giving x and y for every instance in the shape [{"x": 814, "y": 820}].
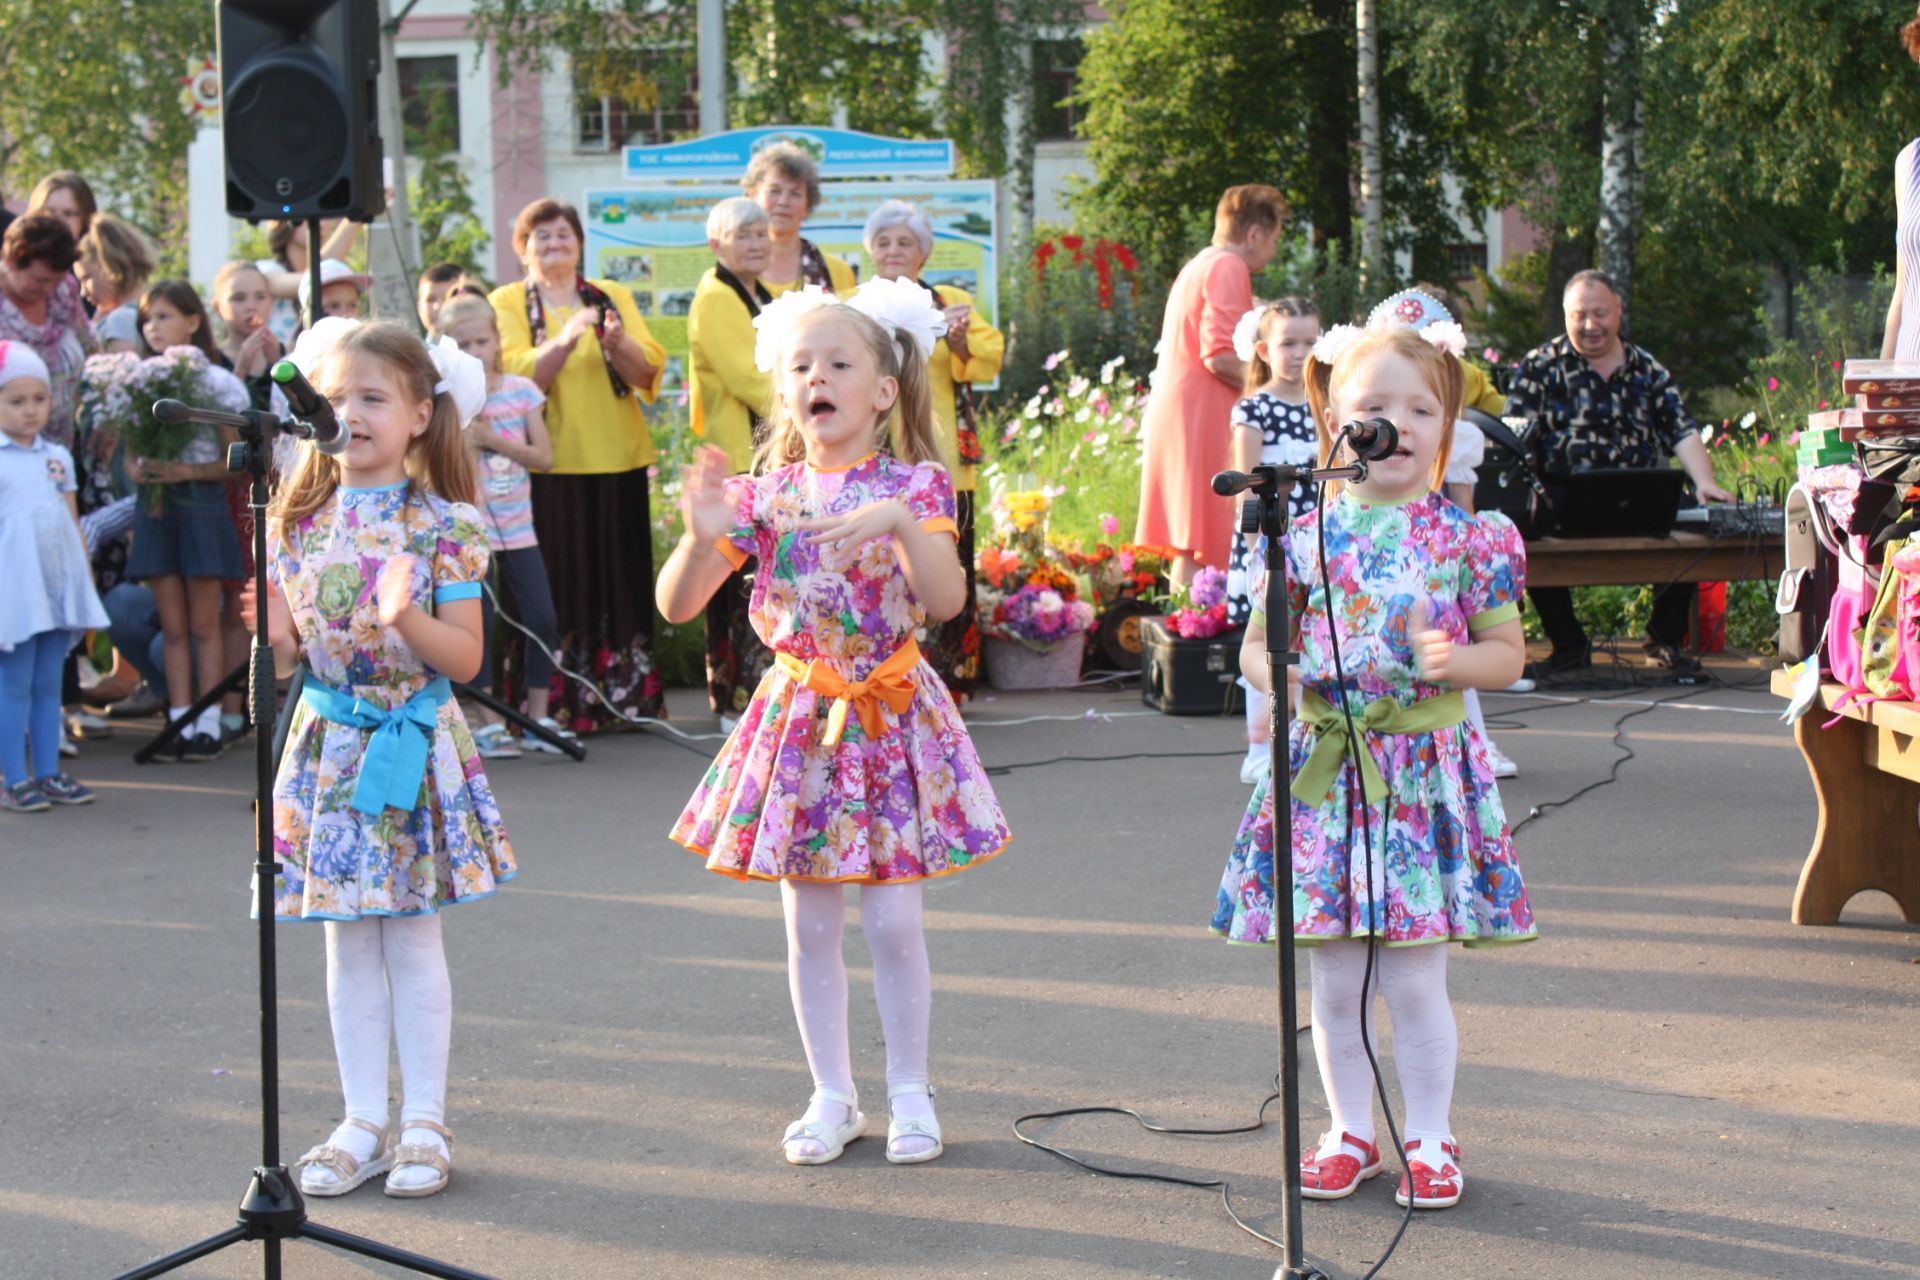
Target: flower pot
[
  {"x": 1012, "y": 665},
  {"x": 1190, "y": 677}
]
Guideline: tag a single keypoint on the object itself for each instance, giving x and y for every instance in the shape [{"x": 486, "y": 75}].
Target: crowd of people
[{"x": 564, "y": 447}]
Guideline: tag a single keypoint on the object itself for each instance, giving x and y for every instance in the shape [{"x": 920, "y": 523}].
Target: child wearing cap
[
  {"x": 340, "y": 289},
  {"x": 50, "y": 598}
]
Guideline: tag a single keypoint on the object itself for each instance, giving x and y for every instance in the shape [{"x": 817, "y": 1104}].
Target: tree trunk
[
  {"x": 1620, "y": 149},
  {"x": 712, "y": 65},
  {"x": 1373, "y": 240},
  {"x": 1331, "y": 209}
]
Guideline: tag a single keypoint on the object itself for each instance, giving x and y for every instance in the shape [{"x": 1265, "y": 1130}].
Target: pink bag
[
  {"x": 1852, "y": 597},
  {"x": 1907, "y": 664}
]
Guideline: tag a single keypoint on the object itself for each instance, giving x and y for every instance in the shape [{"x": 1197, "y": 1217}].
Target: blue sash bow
[{"x": 395, "y": 762}]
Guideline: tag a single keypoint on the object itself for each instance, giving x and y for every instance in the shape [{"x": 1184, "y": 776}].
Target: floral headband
[
  {"x": 461, "y": 376},
  {"x": 900, "y": 307},
  {"x": 1444, "y": 334}
]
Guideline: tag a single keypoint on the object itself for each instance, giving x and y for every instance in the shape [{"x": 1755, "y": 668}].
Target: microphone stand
[
  {"x": 272, "y": 1209},
  {"x": 1272, "y": 487}
]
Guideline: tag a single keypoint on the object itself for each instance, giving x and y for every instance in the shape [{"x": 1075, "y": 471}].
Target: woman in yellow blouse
[
  {"x": 730, "y": 396},
  {"x": 899, "y": 239},
  {"x": 584, "y": 343},
  {"x": 783, "y": 180}
]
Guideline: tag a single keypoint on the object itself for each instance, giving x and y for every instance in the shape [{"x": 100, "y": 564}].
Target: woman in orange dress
[{"x": 1197, "y": 382}]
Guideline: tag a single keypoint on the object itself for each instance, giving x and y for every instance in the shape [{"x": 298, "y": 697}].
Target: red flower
[{"x": 1072, "y": 242}]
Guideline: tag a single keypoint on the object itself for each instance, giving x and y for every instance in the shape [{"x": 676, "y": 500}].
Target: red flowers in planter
[{"x": 1104, "y": 254}]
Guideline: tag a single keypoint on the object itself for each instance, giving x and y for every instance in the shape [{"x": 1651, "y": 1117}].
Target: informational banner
[
  {"x": 840, "y": 153},
  {"x": 653, "y": 240}
]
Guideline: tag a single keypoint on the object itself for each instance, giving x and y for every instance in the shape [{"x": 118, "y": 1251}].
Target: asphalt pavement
[{"x": 1675, "y": 1081}]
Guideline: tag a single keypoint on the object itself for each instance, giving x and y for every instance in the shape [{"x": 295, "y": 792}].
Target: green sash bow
[{"x": 1381, "y": 716}]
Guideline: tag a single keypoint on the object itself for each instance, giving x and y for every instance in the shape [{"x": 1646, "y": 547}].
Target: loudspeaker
[{"x": 299, "y": 117}]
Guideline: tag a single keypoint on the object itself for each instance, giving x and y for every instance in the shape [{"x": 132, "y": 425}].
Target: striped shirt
[{"x": 505, "y": 487}]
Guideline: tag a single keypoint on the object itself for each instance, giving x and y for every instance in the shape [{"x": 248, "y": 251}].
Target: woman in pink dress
[{"x": 1197, "y": 382}]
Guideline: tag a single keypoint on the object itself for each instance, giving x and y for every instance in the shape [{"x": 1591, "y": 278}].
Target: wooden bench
[{"x": 1866, "y": 775}]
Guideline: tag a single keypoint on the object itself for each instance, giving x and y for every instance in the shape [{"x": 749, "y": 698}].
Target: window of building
[
  {"x": 636, "y": 98},
  {"x": 1056, "y": 69},
  {"x": 1463, "y": 260},
  {"x": 430, "y": 103}
]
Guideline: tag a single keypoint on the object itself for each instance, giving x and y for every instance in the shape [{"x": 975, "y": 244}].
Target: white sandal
[
  {"x": 835, "y": 1140},
  {"x": 348, "y": 1169},
  {"x": 928, "y": 1127},
  {"x": 414, "y": 1155}
]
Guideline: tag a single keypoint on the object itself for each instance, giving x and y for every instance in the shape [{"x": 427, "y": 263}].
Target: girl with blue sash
[{"x": 381, "y": 811}]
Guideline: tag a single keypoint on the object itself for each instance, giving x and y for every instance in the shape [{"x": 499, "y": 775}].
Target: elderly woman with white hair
[
  {"x": 729, "y": 396},
  {"x": 899, "y": 239}
]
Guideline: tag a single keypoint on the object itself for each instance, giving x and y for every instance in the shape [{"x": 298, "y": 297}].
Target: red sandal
[
  {"x": 1434, "y": 1188},
  {"x": 1338, "y": 1176}
]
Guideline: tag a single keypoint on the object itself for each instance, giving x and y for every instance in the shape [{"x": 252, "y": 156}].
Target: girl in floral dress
[
  {"x": 1423, "y": 602},
  {"x": 381, "y": 812},
  {"x": 1274, "y": 426},
  {"x": 851, "y": 764}
]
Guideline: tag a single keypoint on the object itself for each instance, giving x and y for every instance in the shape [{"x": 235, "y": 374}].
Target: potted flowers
[{"x": 1032, "y": 615}]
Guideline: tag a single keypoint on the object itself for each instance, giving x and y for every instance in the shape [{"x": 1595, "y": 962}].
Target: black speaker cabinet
[
  {"x": 1190, "y": 677},
  {"x": 299, "y": 118}
]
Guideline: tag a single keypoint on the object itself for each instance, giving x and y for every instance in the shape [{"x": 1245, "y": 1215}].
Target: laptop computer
[{"x": 1619, "y": 502}]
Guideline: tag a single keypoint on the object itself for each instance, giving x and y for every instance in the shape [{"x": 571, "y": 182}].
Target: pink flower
[
  {"x": 1836, "y": 364},
  {"x": 1109, "y": 525},
  {"x": 1773, "y": 384},
  {"x": 1087, "y": 438},
  {"x": 1490, "y": 355},
  {"x": 1794, "y": 438},
  {"x": 1053, "y": 361},
  {"x": 1823, "y": 404},
  {"x": 1125, "y": 558},
  {"x": 1765, "y": 436}
]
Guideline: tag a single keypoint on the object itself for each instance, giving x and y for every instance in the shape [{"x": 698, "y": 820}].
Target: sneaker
[
  {"x": 142, "y": 702},
  {"x": 552, "y": 726},
  {"x": 495, "y": 743},
  {"x": 232, "y": 733},
  {"x": 1683, "y": 666},
  {"x": 198, "y": 748},
  {"x": 1259, "y": 760},
  {"x": 1558, "y": 664},
  {"x": 24, "y": 797},
  {"x": 1502, "y": 767},
  {"x": 61, "y": 788},
  {"x": 1522, "y": 685},
  {"x": 68, "y": 747},
  {"x": 85, "y": 724}
]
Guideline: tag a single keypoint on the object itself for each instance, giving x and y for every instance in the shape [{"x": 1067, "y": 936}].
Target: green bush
[{"x": 1059, "y": 308}]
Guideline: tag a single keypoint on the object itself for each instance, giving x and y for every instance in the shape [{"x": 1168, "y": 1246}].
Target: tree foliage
[{"x": 94, "y": 86}]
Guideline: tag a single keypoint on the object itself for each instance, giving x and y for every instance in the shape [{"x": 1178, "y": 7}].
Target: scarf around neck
[{"x": 591, "y": 295}]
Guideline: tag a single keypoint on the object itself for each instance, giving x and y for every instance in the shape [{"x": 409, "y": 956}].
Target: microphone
[
  {"x": 1228, "y": 483},
  {"x": 1372, "y": 438},
  {"x": 311, "y": 408}
]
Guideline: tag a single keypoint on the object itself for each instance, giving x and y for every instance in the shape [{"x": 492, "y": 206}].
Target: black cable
[
  {"x": 1000, "y": 770},
  {"x": 1107, "y": 1171},
  {"x": 1613, "y": 773}
]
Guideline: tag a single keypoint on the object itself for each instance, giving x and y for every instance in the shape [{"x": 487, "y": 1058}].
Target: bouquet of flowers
[
  {"x": 1199, "y": 611},
  {"x": 1039, "y": 616},
  {"x": 117, "y": 393}
]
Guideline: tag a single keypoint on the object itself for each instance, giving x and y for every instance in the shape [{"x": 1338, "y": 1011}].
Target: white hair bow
[
  {"x": 1335, "y": 341},
  {"x": 461, "y": 376},
  {"x": 1246, "y": 335},
  {"x": 776, "y": 321},
  {"x": 903, "y": 309},
  {"x": 1448, "y": 336},
  {"x": 314, "y": 345}
]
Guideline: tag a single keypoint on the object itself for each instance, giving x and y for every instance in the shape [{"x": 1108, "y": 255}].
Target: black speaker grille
[{"x": 286, "y": 132}]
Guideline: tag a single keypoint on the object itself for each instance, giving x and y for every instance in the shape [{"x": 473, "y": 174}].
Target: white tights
[
  {"x": 390, "y": 974},
  {"x": 1426, "y": 1044},
  {"x": 890, "y": 916}
]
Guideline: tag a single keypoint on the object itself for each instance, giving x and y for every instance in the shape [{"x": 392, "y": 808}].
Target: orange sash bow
[{"x": 889, "y": 683}]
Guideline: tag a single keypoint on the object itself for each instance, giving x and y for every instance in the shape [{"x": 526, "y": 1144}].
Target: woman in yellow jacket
[
  {"x": 729, "y": 396},
  {"x": 899, "y": 239},
  {"x": 784, "y": 180},
  {"x": 583, "y": 342}
]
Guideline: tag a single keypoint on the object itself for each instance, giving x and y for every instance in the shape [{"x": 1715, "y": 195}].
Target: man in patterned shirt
[{"x": 1597, "y": 401}]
